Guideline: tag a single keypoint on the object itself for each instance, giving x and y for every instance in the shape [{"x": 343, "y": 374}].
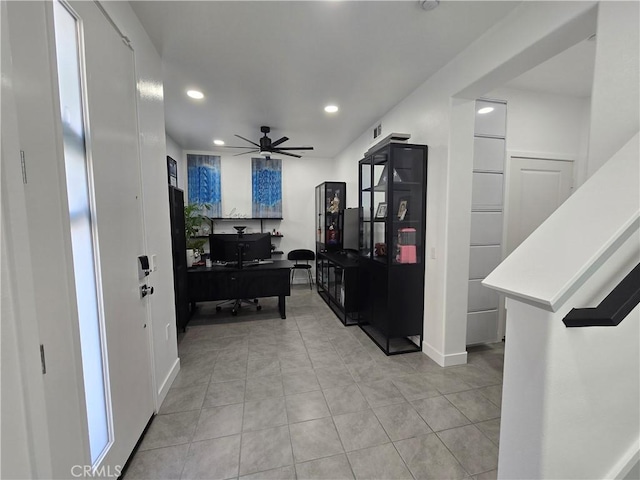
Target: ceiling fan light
[
  {"x": 264, "y": 153},
  {"x": 331, "y": 108},
  {"x": 218, "y": 142}
]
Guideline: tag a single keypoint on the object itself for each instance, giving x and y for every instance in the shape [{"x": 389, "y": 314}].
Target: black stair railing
[{"x": 613, "y": 309}]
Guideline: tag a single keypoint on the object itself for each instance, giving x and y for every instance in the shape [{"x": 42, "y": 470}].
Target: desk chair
[
  {"x": 302, "y": 255},
  {"x": 237, "y": 304}
]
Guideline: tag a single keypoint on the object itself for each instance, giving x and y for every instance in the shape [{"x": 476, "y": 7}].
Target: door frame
[
  {"x": 20, "y": 289},
  {"x": 509, "y": 155}
]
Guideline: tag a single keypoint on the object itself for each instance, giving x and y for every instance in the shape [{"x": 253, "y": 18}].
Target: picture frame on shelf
[
  {"x": 402, "y": 209},
  {"x": 381, "y": 211}
]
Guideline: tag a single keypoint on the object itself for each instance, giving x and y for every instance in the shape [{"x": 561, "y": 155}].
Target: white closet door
[{"x": 536, "y": 189}]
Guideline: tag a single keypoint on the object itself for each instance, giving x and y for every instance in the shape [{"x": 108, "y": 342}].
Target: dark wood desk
[{"x": 223, "y": 283}]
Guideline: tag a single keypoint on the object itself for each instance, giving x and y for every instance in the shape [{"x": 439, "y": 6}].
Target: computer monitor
[{"x": 226, "y": 247}]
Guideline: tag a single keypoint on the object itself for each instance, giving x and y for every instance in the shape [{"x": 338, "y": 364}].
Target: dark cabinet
[
  {"x": 392, "y": 185},
  {"x": 179, "y": 254},
  {"x": 337, "y": 283}
]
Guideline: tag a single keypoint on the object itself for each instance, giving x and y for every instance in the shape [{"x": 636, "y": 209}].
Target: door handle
[{"x": 145, "y": 290}]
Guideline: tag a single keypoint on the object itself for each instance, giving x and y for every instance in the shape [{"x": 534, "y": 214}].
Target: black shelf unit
[
  {"x": 392, "y": 182},
  {"x": 179, "y": 256},
  {"x": 337, "y": 284},
  {"x": 240, "y": 221}
]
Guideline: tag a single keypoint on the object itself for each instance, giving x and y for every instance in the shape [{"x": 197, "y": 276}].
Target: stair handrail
[{"x": 613, "y": 309}]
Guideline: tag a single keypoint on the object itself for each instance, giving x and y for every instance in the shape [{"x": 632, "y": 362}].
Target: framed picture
[
  {"x": 402, "y": 209},
  {"x": 172, "y": 167},
  {"x": 381, "y": 212}
]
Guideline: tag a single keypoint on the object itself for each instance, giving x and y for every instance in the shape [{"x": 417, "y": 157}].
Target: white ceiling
[{"x": 279, "y": 63}]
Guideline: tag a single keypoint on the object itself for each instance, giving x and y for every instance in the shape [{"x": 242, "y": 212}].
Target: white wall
[
  {"x": 175, "y": 151},
  {"x": 299, "y": 179},
  {"x": 554, "y": 126},
  {"x": 155, "y": 193},
  {"x": 25, "y": 452},
  {"x": 615, "y": 109},
  {"x": 532, "y": 33}
]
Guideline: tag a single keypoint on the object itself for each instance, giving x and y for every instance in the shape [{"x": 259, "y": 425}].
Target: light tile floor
[{"x": 259, "y": 397}]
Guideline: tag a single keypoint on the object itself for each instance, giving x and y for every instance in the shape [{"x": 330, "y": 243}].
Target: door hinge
[
  {"x": 23, "y": 164},
  {"x": 42, "y": 360}
]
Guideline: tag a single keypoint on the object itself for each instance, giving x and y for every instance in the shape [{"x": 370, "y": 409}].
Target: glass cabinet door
[
  {"x": 365, "y": 208},
  {"x": 330, "y": 203},
  {"x": 406, "y": 215},
  {"x": 320, "y": 214},
  {"x": 380, "y": 204}
]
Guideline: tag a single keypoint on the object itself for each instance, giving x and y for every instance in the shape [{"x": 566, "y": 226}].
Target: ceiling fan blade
[
  {"x": 229, "y": 146},
  {"x": 279, "y": 141},
  {"x": 278, "y": 151},
  {"x": 295, "y": 148},
  {"x": 247, "y": 140},
  {"x": 244, "y": 153}
]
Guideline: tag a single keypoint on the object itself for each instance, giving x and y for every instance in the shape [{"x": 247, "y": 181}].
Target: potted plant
[{"x": 193, "y": 220}]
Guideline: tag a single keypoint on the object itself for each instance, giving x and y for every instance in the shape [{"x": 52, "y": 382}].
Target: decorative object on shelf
[
  {"x": 406, "y": 251},
  {"x": 266, "y": 192},
  {"x": 380, "y": 249},
  {"x": 194, "y": 219},
  {"x": 334, "y": 205},
  {"x": 204, "y": 183},
  {"x": 402, "y": 209},
  {"x": 381, "y": 212},
  {"x": 172, "y": 169}
]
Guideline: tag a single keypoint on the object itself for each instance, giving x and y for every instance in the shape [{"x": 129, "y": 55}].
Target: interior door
[
  {"x": 536, "y": 188},
  {"x": 113, "y": 148}
]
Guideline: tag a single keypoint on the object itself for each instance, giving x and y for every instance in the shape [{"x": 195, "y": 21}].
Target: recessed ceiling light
[
  {"x": 218, "y": 142},
  {"x": 198, "y": 95},
  {"x": 484, "y": 110},
  {"x": 331, "y": 108}
]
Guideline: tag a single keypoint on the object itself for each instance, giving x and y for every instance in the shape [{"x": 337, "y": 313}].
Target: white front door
[
  {"x": 113, "y": 134},
  {"x": 109, "y": 146},
  {"x": 536, "y": 188}
]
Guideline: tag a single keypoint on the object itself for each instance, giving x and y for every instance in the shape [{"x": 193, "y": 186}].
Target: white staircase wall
[{"x": 571, "y": 395}]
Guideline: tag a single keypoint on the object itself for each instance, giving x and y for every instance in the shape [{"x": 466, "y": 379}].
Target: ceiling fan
[{"x": 266, "y": 147}]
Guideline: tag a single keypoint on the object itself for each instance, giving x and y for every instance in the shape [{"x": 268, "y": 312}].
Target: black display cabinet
[
  {"x": 331, "y": 198},
  {"x": 179, "y": 254},
  {"x": 337, "y": 284},
  {"x": 392, "y": 185}
]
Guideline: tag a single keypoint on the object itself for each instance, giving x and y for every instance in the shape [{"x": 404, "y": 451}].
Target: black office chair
[
  {"x": 237, "y": 305},
  {"x": 302, "y": 255}
]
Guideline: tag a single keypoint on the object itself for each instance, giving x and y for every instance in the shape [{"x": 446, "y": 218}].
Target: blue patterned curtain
[
  {"x": 266, "y": 175},
  {"x": 204, "y": 182}
]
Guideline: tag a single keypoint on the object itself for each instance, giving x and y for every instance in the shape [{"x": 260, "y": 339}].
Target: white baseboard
[
  {"x": 624, "y": 469},
  {"x": 443, "y": 360},
  {"x": 166, "y": 384}
]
